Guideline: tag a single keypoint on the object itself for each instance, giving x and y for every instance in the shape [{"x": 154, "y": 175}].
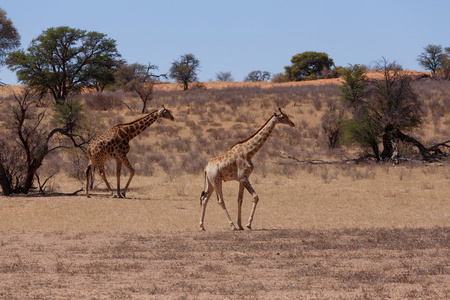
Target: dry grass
[
  {"x": 320, "y": 231},
  {"x": 272, "y": 264}
]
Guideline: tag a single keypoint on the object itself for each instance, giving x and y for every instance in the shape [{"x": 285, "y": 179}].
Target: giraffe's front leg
[
  {"x": 250, "y": 189},
  {"x": 131, "y": 170},
  {"x": 240, "y": 196}
]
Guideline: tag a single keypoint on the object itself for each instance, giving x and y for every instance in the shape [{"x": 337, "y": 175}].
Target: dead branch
[{"x": 364, "y": 158}]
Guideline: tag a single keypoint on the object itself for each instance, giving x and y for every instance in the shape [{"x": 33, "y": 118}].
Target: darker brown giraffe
[
  {"x": 115, "y": 144},
  {"x": 236, "y": 165}
]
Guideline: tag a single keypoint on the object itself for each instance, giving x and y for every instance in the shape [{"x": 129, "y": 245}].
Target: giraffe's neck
[
  {"x": 252, "y": 144},
  {"x": 136, "y": 127}
]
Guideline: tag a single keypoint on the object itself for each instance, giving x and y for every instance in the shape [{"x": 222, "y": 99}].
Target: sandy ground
[{"x": 368, "y": 234}]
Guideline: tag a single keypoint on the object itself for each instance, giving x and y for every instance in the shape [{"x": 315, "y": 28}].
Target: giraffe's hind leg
[
  {"x": 101, "y": 170},
  {"x": 204, "y": 201},
  {"x": 218, "y": 189}
]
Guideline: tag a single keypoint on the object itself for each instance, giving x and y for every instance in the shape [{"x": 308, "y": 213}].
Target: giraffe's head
[
  {"x": 283, "y": 118},
  {"x": 165, "y": 113}
]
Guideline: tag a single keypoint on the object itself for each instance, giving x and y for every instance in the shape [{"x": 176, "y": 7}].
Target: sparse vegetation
[
  {"x": 282, "y": 264},
  {"x": 327, "y": 229}
]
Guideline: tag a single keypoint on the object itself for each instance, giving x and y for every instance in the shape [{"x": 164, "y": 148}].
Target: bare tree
[
  {"x": 27, "y": 145},
  {"x": 332, "y": 123},
  {"x": 224, "y": 76},
  {"x": 140, "y": 79}
]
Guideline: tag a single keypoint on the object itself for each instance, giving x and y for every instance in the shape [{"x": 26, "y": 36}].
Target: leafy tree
[
  {"x": 257, "y": 76},
  {"x": 9, "y": 36},
  {"x": 224, "y": 76},
  {"x": 308, "y": 66},
  {"x": 68, "y": 114},
  {"x": 431, "y": 58},
  {"x": 381, "y": 109},
  {"x": 62, "y": 60},
  {"x": 184, "y": 70}
]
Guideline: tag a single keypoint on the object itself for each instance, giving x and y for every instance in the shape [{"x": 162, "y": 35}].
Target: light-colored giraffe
[
  {"x": 115, "y": 144},
  {"x": 236, "y": 164}
]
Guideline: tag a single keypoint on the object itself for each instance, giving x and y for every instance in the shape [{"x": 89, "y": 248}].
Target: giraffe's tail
[{"x": 88, "y": 170}]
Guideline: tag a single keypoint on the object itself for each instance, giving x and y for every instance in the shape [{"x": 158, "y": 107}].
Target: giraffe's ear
[{"x": 279, "y": 108}]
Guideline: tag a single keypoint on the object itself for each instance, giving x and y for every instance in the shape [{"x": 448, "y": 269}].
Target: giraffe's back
[{"x": 106, "y": 146}]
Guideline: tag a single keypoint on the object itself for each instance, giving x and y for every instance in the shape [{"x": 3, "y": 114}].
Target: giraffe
[
  {"x": 115, "y": 144},
  {"x": 236, "y": 165}
]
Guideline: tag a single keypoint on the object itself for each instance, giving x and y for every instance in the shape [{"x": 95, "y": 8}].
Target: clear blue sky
[{"x": 240, "y": 36}]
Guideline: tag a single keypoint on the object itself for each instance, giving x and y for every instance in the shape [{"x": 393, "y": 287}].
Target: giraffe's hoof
[
  {"x": 249, "y": 226},
  {"x": 233, "y": 228},
  {"x": 241, "y": 228}
]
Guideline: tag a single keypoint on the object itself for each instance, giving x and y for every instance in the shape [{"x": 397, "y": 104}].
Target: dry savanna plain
[{"x": 321, "y": 231}]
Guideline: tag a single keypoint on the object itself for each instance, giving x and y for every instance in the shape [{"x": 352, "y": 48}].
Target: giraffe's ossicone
[
  {"x": 236, "y": 165},
  {"x": 115, "y": 144}
]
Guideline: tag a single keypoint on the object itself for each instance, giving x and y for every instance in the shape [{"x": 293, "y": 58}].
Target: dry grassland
[{"x": 371, "y": 231}]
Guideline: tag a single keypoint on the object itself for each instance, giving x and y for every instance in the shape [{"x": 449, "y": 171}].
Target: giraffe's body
[
  {"x": 236, "y": 165},
  {"x": 115, "y": 144}
]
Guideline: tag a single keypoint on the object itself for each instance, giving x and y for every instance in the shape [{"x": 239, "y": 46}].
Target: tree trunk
[
  {"x": 407, "y": 139},
  {"x": 376, "y": 151},
  {"x": 387, "y": 146},
  {"x": 4, "y": 181}
]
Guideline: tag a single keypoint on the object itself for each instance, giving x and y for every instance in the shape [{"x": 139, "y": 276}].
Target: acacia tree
[
  {"x": 184, "y": 70},
  {"x": 257, "y": 76},
  {"x": 62, "y": 60},
  {"x": 9, "y": 36},
  {"x": 431, "y": 58},
  {"x": 382, "y": 110},
  {"x": 308, "y": 66}
]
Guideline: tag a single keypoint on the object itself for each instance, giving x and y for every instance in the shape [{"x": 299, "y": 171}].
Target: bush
[{"x": 103, "y": 101}]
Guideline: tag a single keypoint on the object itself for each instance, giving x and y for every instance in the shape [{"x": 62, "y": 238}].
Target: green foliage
[
  {"x": 362, "y": 131},
  {"x": 62, "y": 60},
  {"x": 68, "y": 114},
  {"x": 380, "y": 109},
  {"x": 9, "y": 37},
  {"x": 184, "y": 70},
  {"x": 308, "y": 66},
  {"x": 355, "y": 83}
]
